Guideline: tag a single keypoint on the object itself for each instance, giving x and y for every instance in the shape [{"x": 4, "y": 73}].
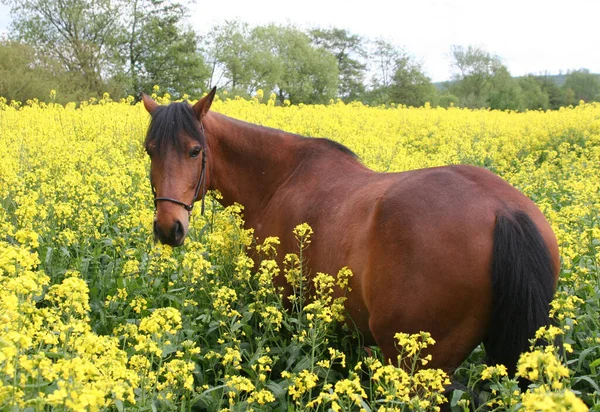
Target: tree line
[{"x": 82, "y": 48}]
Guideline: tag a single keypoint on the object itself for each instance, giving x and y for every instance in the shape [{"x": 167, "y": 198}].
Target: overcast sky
[{"x": 531, "y": 36}]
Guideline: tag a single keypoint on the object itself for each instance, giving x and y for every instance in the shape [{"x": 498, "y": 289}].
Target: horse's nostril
[
  {"x": 178, "y": 231},
  {"x": 155, "y": 228}
]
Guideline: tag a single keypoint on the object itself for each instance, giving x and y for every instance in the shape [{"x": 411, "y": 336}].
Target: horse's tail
[{"x": 522, "y": 287}]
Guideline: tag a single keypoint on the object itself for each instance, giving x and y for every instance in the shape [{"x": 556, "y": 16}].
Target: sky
[{"x": 531, "y": 36}]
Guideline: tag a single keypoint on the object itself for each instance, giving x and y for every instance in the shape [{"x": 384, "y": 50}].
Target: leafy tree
[
  {"x": 158, "y": 50},
  {"x": 170, "y": 58},
  {"x": 229, "y": 51},
  {"x": 19, "y": 78},
  {"x": 347, "y": 49},
  {"x": 384, "y": 56},
  {"x": 410, "y": 86},
  {"x": 551, "y": 89},
  {"x": 481, "y": 80},
  {"x": 473, "y": 71},
  {"x": 27, "y": 74},
  {"x": 447, "y": 99},
  {"x": 398, "y": 77},
  {"x": 299, "y": 71},
  {"x": 532, "y": 95},
  {"x": 127, "y": 44},
  {"x": 504, "y": 92},
  {"x": 581, "y": 85},
  {"x": 81, "y": 34}
]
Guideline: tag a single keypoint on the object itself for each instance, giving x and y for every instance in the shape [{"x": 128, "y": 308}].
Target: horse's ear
[
  {"x": 149, "y": 103},
  {"x": 203, "y": 105}
]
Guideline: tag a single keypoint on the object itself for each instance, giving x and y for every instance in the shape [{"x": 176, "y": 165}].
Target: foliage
[
  {"x": 581, "y": 85},
  {"x": 229, "y": 52},
  {"x": 95, "y": 315},
  {"x": 347, "y": 48},
  {"x": 533, "y": 94},
  {"x": 550, "y": 88},
  {"x": 384, "y": 55},
  {"x": 504, "y": 92},
  {"x": 157, "y": 49},
  {"x": 398, "y": 78},
  {"x": 474, "y": 75},
  {"x": 24, "y": 74},
  {"x": 273, "y": 58},
  {"x": 307, "y": 74},
  {"x": 127, "y": 45},
  {"x": 411, "y": 87},
  {"x": 81, "y": 34}
]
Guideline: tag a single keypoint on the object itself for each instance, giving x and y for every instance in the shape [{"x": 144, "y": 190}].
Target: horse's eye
[{"x": 195, "y": 151}]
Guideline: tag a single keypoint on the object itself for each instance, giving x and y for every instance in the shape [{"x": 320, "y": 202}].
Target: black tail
[{"x": 523, "y": 287}]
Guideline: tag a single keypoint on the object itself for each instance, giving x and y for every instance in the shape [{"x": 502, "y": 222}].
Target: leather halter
[{"x": 201, "y": 185}]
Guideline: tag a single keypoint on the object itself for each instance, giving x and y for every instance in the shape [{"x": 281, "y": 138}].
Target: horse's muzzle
[{"x": 173, "y": 237}]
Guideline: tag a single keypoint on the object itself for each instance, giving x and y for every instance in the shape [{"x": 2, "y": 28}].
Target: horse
[{"x": 454, "y": 250}]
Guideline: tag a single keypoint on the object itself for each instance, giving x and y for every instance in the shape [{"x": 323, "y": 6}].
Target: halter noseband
[{"x": 201, "y": 184}]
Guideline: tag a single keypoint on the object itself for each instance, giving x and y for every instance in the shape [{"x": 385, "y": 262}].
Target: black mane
[
  {"x": 336, "y": 145},
  {"x": 167, "y": 124}
]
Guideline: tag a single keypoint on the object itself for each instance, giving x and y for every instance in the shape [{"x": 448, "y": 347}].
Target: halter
[{"x": 201, "y": 184}]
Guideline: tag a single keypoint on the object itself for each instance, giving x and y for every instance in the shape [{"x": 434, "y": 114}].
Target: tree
[
  {"x": 276, "y": 59},
  {"x": 481, "y": 80},
  {"x": 347, "y": 49},
  {"x": 308, "y": 74},
  {"x": 81, "y": 34},
  {"x": 582, "y": 85},
  {"x": 19, "y": 78},
  {"x": 229, "y": 52},
  {"x": 532, "y": 95},
  {"x": 551, "y": 89},
  {"x": 447, "y": 99},
  {"x": 158, "y": 50},
  {"x": 410, "y": 86},
  {"x": 473, "y": 71},
  {"x": 384, "y": 56},
  {"x": 504, "y": 92},
  {"x": 130, "y": 44},
  {"x": 398, "y": 77}
]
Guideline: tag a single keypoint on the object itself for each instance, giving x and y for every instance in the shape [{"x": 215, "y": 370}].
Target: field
[{"x": 96, "y": 316}]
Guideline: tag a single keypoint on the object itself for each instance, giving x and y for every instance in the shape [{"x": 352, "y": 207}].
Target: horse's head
[{"x": 177, "y": 148}]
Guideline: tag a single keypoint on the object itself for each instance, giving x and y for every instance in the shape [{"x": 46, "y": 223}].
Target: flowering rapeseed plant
[{"x": 95, "y": 316}]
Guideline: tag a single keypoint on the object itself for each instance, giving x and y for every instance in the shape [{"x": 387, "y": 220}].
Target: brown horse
[{"x": 454, "y": 250}]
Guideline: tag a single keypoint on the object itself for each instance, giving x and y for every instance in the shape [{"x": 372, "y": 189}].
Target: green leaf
[{"x": 456, "y": 396}]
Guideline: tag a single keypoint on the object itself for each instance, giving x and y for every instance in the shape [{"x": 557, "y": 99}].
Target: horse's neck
[{"x": 247, "y": 163}]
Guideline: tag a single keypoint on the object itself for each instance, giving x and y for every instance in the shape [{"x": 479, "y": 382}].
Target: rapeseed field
[{"x": 94, "y": 315}]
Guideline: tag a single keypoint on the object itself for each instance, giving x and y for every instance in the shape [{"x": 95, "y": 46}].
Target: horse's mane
[
  {"x": 338, "y": 146},
  {"x": 167, "y": 124}
]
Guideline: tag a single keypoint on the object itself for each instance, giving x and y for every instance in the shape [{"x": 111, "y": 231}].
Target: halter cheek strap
[{"x": 201, "y": 185}]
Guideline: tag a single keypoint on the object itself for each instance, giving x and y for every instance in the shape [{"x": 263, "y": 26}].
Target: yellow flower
[{"x": 494, "y": 371}]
